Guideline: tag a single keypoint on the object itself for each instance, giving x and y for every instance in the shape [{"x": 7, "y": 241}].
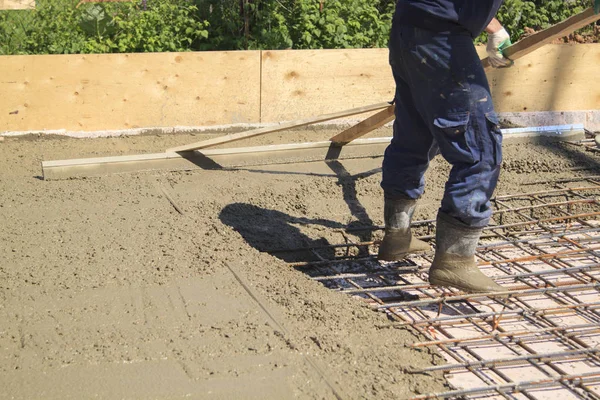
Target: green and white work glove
[{"x": 496, "y": 44}]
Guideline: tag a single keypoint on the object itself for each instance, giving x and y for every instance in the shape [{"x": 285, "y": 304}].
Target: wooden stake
[
  {"x": 281, "y": 127},
  {"x": 370, "y": 124}
]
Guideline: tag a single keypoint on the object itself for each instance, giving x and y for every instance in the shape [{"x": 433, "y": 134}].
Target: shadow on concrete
[
  {"x": 578, "y": 155},
  {"x": 350, "y": 193},
  {"x": 276, "y": 233},
  {"x": 201, "y": 161},
  {"x": 272, "y": 231}
]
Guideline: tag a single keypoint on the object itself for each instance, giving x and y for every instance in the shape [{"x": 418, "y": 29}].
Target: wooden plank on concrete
[
  {"x": 301, "y": 83},
  {"x": 262, "y": 155},
  {"x": 120, "y": 91},
  {"x": 541, "y": 38},
  {"x": 17, "y": 4},
  {"x": 368, "y": 125},
  {"x": 213, "y": 159},
  {"x": 280, "y": 127}
]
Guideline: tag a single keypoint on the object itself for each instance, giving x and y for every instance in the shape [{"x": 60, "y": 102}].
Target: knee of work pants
[{"x": 474, "y": 148}]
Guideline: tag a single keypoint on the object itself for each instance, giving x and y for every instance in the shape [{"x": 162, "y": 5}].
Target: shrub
[
  {"x": 516, "y": 15},
  {"x": 58, "y": 26},
  {"x": 300, "y": 24}
]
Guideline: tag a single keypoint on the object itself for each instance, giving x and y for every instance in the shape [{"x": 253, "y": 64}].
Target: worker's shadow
[{"x": 273, "y": 231}]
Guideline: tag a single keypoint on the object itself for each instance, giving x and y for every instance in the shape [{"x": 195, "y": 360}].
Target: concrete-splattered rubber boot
[
  {"x": 454, "y": 262},
  {"x": 398, "y": 240}
]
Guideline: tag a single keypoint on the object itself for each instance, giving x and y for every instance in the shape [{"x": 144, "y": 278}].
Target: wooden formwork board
[
  {"x": 121, "y": 91},
  {"x": 553, "y": 78},
  {"x": 17, "y": 4},
  {"x": 300, "y": 83},
  {"x": 297, "y": 84}
]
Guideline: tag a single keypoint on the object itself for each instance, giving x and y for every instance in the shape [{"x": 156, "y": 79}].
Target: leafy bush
[
  {"x": 300, "y": 24},
  {"x": 336, "y": 24},
  {"x": 58, "y": 26},
  {"x": 516, "y": 15}
]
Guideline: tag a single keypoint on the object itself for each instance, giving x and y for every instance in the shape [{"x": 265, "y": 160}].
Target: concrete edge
[{"x": 589, "y": 119}]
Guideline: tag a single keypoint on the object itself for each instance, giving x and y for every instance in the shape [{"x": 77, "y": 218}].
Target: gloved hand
[{"x": 497, "y": 42}]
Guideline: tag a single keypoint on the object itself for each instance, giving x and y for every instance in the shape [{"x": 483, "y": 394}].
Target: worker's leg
[
  {"x": 407, "y": 157},
  {"x": 452, "y": 95},
  {"x": 404, "y": 165}
]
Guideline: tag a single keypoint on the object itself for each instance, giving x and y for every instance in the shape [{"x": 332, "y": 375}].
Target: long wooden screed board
[
  {"x": 213, "y": 158},
  {"x": 260, "y": 155},
  {"x": 370, "y": 124},
  {"x": 281, "y": 127}
]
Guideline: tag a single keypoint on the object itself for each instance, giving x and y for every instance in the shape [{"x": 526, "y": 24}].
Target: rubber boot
[
  {"x": 454, "y": 262},
  {"x": 398, "y": 240}
]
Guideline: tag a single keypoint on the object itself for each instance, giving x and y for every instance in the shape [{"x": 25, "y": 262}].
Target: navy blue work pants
[{"x": 443, "y": 101}]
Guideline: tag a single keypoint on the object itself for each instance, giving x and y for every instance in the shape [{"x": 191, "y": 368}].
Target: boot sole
[
  {"x": 399, "y": 256},
  {"x": 443, "y": 283}
]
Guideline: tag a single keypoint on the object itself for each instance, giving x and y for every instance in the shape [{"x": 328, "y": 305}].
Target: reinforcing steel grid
[{"x": 538, "y": 340}]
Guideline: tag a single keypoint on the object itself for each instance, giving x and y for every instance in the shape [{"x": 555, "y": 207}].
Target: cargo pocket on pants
[
  {"x": 496, "y": 135},
  {"x": 453, "y": 137}
]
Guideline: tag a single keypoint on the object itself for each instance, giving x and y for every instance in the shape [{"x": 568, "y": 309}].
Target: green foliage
[
  {"x": 300, "y": 24},
  {"x": 51, "y": 28},
  {"x": 516, "y": 15},
  {"x": 96, "y": 22},
  {"x": 58, "y": 26},
  {"x": 335, "y": 24},
  {"x": 163, "y": 26}
]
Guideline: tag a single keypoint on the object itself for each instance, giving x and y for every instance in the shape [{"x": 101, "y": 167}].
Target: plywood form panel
[
  {"x": 297, "y": 84},
  {"x": 17, "y": 4},
  {"x": 302, "y": 83},
  {"x": 553, "y": 78},
  {"x": 105, "y": 92},
  {"x": 120, "y": 91}
]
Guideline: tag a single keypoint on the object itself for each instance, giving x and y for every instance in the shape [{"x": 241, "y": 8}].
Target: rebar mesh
[{"x": 538, "y": 340}]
